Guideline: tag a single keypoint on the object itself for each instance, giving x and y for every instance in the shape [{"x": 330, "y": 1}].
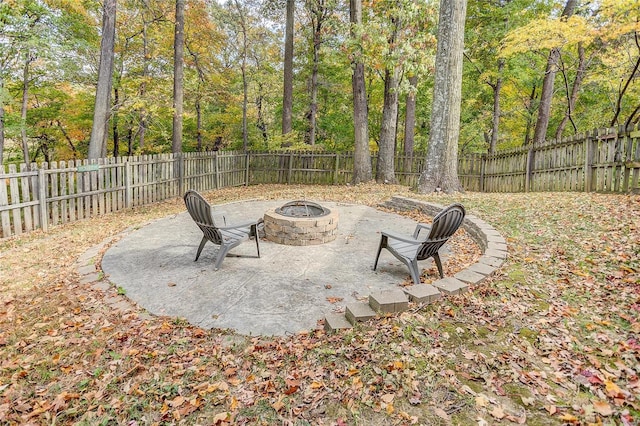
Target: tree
[
  {"x": 362, "y": 171},
  {"x": 546, "y": 96},
  {"x": 287, "y": 97},
  {"x": 410, "y": 121},
  {"x": 243, "y": 69},
  {"x": 385, "y": 170},
  {"x": 441, "y": 165},
  {"x": 178, "y": 76},
  {"x": 101, "y": 113},
  {"x": 319, "y": 12}
]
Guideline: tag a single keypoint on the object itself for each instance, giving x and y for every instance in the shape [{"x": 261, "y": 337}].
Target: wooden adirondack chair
[
  {"x": 227, "y": 237},
  {"x": 409, "y": 250}
]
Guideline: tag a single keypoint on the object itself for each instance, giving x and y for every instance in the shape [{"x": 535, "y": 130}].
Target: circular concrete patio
[{"x": 287, "y": 290}]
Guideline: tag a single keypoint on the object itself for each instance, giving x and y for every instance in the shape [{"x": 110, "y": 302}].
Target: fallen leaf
[
  {"x": 498, "y": 412},
  {"x": 602, "y": 408}
]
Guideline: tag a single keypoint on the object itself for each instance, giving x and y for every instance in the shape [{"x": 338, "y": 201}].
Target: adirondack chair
[
  {"x": 227, "y": 237},
  {"x": 409, "y": 250}
]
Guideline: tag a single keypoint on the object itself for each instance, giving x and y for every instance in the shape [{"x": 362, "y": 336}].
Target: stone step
[
  {"x": 335, "y": 322},
  {"x": 359, "y": 312},
  {"x": 389, "y": 301},
  {"x": 423, "y": 293}
]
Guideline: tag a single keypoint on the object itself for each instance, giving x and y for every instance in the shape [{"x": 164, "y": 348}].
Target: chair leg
[
  {"x": 382, "y": 240},
  {"x": 222, "y": 253},
  {"x": 415, "y": 272},
  {"x": 436, "y": 258},
  {"x": 255, "y": 233},
  {"x": 202, "y": 243},
  {"x": 258, "y": 244}
]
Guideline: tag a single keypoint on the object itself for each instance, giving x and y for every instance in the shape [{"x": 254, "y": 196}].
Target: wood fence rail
[{"x": 36, "y": 197}]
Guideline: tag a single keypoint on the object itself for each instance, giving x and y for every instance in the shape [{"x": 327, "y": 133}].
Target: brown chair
[
  {"x": 409, "y": 250},
  {"x": 227, "y": 237}
]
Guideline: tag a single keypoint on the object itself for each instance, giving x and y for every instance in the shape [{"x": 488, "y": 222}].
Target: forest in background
[{"x": 233, "y": 68}]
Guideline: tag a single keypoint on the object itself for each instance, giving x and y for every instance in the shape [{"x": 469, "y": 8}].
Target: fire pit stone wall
[{"x": 300, "y": 231}]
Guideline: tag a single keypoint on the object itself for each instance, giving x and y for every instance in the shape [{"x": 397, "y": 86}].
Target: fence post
[
  {"x": 290, "y": 168},
  {"x": 335, "y": 170},
  {"x": 181, "y": 168},
  {"x": 588, "y": 161},
  {"x": 483, "y": 165},
  {"x": 528, "y": 176},
  {"x": 42, "y": 198},
  {"x": 217, "y": 164},
  {"x": 128, "y": 190},
  {"x": 246, "y": 173}
]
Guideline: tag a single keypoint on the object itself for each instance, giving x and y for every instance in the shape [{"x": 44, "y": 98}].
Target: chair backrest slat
[
  {"x": 445, "y": 224},
  {"x": 200, "y": 211}
]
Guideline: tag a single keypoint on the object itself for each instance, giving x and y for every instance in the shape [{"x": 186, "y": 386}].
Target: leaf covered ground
[{"x": 552, "y": 338}]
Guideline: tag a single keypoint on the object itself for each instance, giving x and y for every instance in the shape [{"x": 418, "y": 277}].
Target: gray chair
[
  {"x": 409, "y": 250},
  {"x": 227, "y": 237}
]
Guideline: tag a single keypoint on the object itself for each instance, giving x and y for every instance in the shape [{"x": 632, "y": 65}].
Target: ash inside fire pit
[
  {"x": 301, "y": 223},
  {"x": 302, "y": 209}
]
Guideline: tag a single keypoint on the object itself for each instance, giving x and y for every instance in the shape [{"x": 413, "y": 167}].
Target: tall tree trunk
[
  {"x": 98, "y": 141},
  {"x": 142, "y": 124},
  {"x": 385, "y": 172},
  {"x": 178, "y": 76},
  {"x": 546, "y": 96},
  {"x": 530, "y": 110},
  {"x": 1, "y": 124},
  {"x": 572, "y": 96},
  {"x": 199, "y": 123},
  {"x": 114, "y": 123},
  {"x": 410, "y": 123},
  {"x": 495, "y": 119},
  {"x": 362, "y": 155},
  {"x": 313, "y": 108},
  {"x": 261, "y": 124},
  {"x": 243, "y": 70},
  {"x": 23, "y": 111},
  {"x": 441, "y": 165},
  {"x": 287, "y": 97},
  {"x": 319, "y": 13}
]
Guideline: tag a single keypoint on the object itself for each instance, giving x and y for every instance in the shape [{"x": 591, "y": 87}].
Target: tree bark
[
  {"x": 410, "y": 123},
  {"x": 101, "y": 113},
  {"x": 495, "y": 120},
  {"x": 362, "y": 156},
  {"x": 287, "y": 97},
  {"x": 114, "y": 123},
  {"x": 319, "y": 13},
  {"x": 243, "y": 71},
  {"x": 23, "y": 110},
  {"x": 441, "y": 166},
  {"x": 178, "y": 77},
  {"x": 385, "y": 172},
  {"x": 142, "y": 124},
  {"x": 1, "y": 124},
  {"x": 546, "y": 96}
]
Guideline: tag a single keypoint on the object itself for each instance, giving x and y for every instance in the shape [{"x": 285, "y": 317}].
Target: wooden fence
[{"x": 606, "y": 160}]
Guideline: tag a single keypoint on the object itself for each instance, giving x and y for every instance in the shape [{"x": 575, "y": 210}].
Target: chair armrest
[
  {"x": 420, "y": 227},
  {"x": 240, "y": 225},
  {"x": 402, "y": 238}
]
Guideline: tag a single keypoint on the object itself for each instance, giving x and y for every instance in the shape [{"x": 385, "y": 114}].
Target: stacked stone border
[{"x": 494, "y": 253}]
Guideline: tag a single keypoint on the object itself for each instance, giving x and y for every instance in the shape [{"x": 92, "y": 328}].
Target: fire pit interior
[{"x": 301, "y": 223}]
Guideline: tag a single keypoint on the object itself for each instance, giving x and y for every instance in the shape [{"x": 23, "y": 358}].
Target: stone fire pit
[{"x": 301, "y": 223}]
